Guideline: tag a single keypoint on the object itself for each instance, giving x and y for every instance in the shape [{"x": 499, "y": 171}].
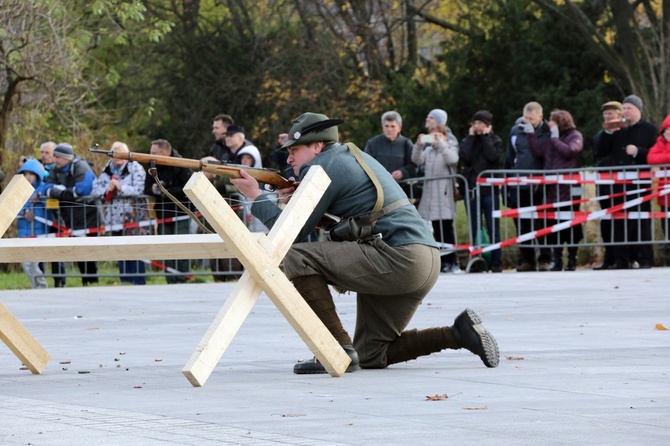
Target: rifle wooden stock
[{"x": 267, "y": 176}]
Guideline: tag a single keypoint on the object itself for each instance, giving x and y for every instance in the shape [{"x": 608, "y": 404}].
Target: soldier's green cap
[{"x": 311, "y": 127}]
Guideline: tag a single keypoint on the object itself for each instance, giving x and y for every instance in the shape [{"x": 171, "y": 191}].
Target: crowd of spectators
[{"x": 427, "y": 169}]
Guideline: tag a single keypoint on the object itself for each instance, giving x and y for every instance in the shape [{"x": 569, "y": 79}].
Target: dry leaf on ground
[{"x": 436, "y": 397}]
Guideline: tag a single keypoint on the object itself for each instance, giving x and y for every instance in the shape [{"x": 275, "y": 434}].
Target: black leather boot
[
  {"x": 314, "y": 367},
  {"x": 471, "y": 335},
  {"x": 414, "y": 343}
]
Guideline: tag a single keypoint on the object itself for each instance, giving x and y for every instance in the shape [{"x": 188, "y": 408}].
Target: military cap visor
[{"x": 311, "y": 127}]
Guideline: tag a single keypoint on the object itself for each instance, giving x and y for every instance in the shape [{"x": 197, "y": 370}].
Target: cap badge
[{"x": 296, "y": 135}]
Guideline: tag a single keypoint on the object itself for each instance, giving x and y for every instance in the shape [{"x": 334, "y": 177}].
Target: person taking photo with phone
[{"x": 437, "y": 152}]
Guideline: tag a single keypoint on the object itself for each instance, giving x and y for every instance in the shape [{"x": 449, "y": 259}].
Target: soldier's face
[{"x": 302, "y": 154}]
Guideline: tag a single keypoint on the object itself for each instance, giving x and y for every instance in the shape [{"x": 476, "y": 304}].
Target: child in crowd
[{"x": 27, "y": 224}]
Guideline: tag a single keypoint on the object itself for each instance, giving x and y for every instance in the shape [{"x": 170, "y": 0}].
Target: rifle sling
[
  {"x": 368, "y": 221},
  {"x": 154, "y": 173}
]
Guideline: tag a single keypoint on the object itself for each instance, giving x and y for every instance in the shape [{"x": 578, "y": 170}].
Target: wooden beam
[
  {"x": 21, "y": 342},
  {"x": 261, "y": 258},
  {"x": 140, "y": 247},
  {"x": 15, "y": 195}
]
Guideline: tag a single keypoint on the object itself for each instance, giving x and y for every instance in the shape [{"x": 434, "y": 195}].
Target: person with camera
[
  {"x": 481, "y": 151},
  {"x": 437, "y": 152},
  {"x": 628, "y": 146},
  {"x": 387, "y": 256},
  {"x": 531, "y": 129}
]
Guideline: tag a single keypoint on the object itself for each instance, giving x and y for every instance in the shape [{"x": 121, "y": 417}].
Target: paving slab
[{"x": 582, "y": 362}]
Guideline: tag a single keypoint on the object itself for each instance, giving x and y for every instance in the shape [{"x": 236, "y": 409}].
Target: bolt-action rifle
[{"x": 267, "y": 176}]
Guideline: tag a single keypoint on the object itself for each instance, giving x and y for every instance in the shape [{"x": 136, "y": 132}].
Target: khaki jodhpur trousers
[{"x": 390, "y": 283}]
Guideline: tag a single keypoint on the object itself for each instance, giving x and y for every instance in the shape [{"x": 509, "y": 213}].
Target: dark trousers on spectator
[
  {"x": 526, "y": 197},
  {"x": 181, "y": 265},
  {"x": 443, "y": 231},
  {"x": 487, "y": 204}
]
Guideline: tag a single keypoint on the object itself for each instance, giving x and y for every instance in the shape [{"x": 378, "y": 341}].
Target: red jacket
[{"x": 660, "y": 154}]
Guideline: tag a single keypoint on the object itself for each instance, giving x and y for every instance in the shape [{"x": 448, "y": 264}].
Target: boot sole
[
  {"x": 488, "y": 347},
  {"x": 322, "y": 370}
]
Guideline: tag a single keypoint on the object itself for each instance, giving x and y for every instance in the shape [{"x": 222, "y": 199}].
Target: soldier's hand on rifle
[
  {"x": 247, "y": 185},
  {"x": 286, "y": 193}
]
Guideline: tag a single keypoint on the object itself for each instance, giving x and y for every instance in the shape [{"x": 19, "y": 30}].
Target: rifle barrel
[{"x": 267, "y": 176}]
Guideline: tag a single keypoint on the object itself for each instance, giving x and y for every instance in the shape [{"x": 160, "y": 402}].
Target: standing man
[
  {"x": 629, "y": 147},
  {"x": 612, "y": 111},
  {"x": 393, "y": 150},
  {"x": 392, "y": 269},
  {"x": 70, "y": 179},
  {"x": 531, "y": 129},
  {"x": 219, "y": 150},
  {"x": 172, "y": 220},
  {"x": 242, "y": 151},
  {"x": 47, "y": 154},
  {"x": 480, "y": 151}
]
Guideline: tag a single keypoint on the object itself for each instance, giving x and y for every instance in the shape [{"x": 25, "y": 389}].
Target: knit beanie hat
[
  {"x": 64, "y": 150},
  {"x": 636, "y": 101},
  {"x": 440, "y": 116},
  {"x": 484, "y": 116}
]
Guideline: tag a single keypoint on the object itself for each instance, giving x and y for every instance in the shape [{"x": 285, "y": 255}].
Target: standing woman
[
  {"x": 121, "y": 186},
  {"x": 562, "y": 151},
  {"x": 439, "y": 158}
]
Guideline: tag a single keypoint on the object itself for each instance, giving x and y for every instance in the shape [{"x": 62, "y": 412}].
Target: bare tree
[{"x": 631, "y": 39}]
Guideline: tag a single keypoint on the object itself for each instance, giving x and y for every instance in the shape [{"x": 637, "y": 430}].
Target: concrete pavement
[{"x": 581, "y": 363}]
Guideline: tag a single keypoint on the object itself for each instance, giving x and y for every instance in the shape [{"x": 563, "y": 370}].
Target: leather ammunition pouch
[
  {"x": 348, "y": 230},
  {"x": 359, "y": 229}
]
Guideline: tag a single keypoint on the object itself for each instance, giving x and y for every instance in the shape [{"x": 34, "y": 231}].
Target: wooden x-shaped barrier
[
  {"x": 261, "y": 258},
  {"x": 260, "y": 254},
  {"x": 12, "y": 332}
]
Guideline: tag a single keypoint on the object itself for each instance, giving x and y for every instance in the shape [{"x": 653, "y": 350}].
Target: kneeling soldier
[{"x": 381, "y": 249}]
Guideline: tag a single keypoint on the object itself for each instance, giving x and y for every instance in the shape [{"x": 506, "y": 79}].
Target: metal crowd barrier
[
  {"x": 87, "y": 216},
  {"x": 615, "y": 207},
  {"x": 463, "y": 237}
]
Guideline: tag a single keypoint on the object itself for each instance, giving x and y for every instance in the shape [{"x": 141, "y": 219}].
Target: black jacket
[
  {"x": 479, "y": 153},
  {"x": 611, "y": 147},
  {"x": 174, "y": 179},
  {"x": 519, "y": 153}
]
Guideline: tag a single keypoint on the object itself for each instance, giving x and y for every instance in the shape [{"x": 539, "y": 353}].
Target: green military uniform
[{"x": 391, "y": 272}]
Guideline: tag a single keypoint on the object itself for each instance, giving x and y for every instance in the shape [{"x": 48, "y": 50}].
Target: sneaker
[
  {"x": 456, "y": 269},
  {"x": 447, "y": 268},
  {"x": 471, "y": 335}
]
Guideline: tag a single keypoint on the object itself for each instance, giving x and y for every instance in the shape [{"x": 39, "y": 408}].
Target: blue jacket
[{"x": 31, "y": 228}]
